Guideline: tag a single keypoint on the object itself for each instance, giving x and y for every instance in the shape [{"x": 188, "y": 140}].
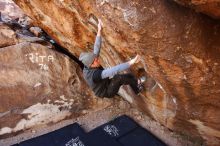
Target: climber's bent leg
[{"x": 122, "y": 79}]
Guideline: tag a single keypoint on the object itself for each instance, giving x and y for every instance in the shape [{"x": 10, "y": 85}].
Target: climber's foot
[{"x": 141, "y": 81}]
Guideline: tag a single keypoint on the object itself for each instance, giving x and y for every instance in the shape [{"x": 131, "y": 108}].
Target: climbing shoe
[
  {"x": 140, "y": 88},
  {"x": 141, "y": 81}
]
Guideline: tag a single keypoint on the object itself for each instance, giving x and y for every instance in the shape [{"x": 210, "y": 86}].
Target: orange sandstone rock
[{"x": 180, "y": 50}]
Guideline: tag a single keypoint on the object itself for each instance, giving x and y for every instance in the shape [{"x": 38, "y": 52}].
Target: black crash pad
[
  {"x": 140, "y": 137},
  {"x": 116, "y": 128},
  {"x": 100, "y": 140},
  {"x": 65, "y": 136},
  {"x": 107, "y": 134},
  {"x": 122, "y": 131}
]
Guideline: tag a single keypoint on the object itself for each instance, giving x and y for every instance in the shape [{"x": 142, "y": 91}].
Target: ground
[{"x": 98, "y": 117}]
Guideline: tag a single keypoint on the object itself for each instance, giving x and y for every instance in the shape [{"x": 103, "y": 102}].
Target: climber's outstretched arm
[
  {"x": 98, "y": 40},
  {"x": 109, "y": 72}
]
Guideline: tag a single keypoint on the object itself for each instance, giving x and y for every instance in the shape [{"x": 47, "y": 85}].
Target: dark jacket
[{"x": 95, "y": 81}]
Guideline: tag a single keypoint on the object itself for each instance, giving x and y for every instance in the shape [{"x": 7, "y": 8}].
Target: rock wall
[
  {"x": 9, "y": 10},
  {"x": 7, "y": 36},
  {"x": 179, "y": 48},
  {"x": 209, "y": 7},
  {"x": 38, "y": 84}
]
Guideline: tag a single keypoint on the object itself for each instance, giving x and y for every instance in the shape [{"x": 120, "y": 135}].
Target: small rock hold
[
  {"x": 208, "y": 60},
  {"x": 213, "y": 82},
  {"x": 122, "y": 105},
  {"x": 151, "y": 57},
  {"x": 84, "y": 111},
  {"x": 184, "y": 77},
  {"x": 201, "y": 79},
  {"x": 136, "y": 113},
  {"x": 36, "y": 31},
  {"x": 139, "y": 117}
]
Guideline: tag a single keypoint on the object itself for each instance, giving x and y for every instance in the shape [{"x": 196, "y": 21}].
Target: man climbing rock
[{"x": 98, "y": 78}]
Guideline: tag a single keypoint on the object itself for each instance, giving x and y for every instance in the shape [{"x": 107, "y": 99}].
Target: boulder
[
  {"x": 38, "y": 86},
  {"x": 179, "y": 49},
  {"x": 39, "y": 83},
  {"x": 7, "y": 36}
]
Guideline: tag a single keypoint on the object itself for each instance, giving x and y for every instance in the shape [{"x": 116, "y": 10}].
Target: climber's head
[{"x": 89, "y": 59}]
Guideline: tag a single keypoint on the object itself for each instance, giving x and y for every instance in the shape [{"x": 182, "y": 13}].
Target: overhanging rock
[
  {"x": 180, "y": 51},
  {"x": 209, "y": 7}
]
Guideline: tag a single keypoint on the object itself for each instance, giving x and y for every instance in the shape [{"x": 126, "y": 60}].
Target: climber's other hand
[
  {"x": 100, "y": 24},
  {"x": 135, "y": 60}
]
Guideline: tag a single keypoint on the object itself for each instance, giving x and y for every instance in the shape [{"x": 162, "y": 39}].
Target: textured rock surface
[
  {"x": 180, "y": 51},
  {"x": 7, "y": 36},
  {"x": 9, "y": 9},
  {"x": 209, "y": 7},
  {"x": 38, "y": 85}
]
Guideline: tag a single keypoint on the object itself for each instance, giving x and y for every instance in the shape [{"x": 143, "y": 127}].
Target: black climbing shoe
[
  {"x": 141, "y": 81},
  {"x": 140, "y": 88}
]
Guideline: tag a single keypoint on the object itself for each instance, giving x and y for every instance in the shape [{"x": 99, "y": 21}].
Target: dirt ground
[{"x": 98, "y": 117}]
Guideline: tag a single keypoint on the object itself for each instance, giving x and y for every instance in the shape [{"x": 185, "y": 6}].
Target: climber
[{"x": 98, "y": 78}]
